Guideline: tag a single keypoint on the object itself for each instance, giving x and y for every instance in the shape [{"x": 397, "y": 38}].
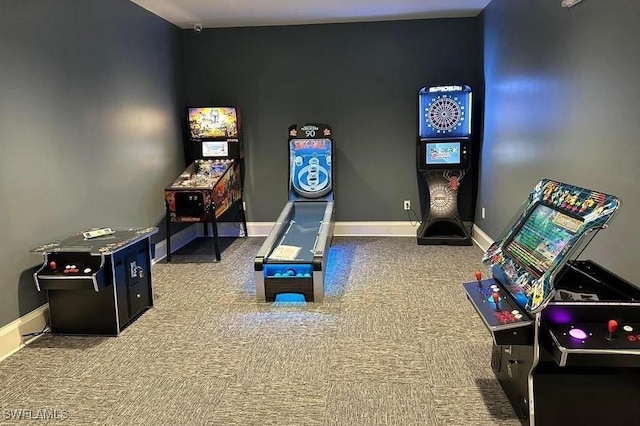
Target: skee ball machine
[
  {"x": 212, "y": 185},
  {"x": 566, "y": 332},
  {"x": 293, "y": 257},
  {"x": 443, "y": 159}
]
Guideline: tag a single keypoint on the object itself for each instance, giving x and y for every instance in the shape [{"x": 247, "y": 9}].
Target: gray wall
[
  {"x": 563, "y": 102},
  {"x": 360, "y": 78},
  {"x": 90, "y": 107}
]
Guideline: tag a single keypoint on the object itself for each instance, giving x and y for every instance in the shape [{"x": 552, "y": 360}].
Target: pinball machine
[
  {"x": 211, "y": 187},
  {"x": 566, "y": 332}
]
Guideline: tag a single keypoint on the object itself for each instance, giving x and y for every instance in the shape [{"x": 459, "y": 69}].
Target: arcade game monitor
[
  {"x": 212, "y": 185},
  {"x": 552, "y": 227}
]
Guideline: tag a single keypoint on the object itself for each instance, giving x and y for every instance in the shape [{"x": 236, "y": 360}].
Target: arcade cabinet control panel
[
  {"x": 610, "y": 335},
  {"x": 507, "y": 321}
]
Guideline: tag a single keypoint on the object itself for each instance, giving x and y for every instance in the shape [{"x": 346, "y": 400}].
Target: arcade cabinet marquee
[
  {"x": 443, "y": 159},
  {"x": 212, "y": 185},
  {"x": 566, "y": 332}
]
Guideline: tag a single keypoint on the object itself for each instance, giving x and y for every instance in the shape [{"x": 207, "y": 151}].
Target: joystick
[
  {"x": 496, "y": 300},
  {"x": 612, "y": 326},
  {"x": 53, "y": 265},
  {"x": 479, "y": 278}
]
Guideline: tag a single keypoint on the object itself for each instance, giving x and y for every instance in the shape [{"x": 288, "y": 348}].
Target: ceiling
[{"x": 244, "y": 13}]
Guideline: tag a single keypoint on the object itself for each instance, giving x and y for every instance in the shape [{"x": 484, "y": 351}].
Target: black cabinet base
[
  {"x": 102, "y": 291},
  {"x": 443, "y": 231},
  {"x": 86, "y": 312},
  {"x": 566, "y": 395}
]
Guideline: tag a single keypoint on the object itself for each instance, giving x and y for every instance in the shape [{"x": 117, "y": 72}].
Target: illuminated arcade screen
[
  {"x": 443, "y": 153},
  {"x": 542, "y": 238},
  {"x": 215, "y": 149},
  {"x": 213, "y": 123}
]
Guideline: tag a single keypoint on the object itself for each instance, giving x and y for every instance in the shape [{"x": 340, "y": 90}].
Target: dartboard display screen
[
  {"x": 445, "y": 112},
  {"x": 443, "y": 153}
]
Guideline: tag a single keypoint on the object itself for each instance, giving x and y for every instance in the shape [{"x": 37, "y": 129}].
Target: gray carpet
[{"x": 394, "y": 343}]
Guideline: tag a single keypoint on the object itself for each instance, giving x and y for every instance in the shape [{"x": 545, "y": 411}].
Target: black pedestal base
[
  {"x": 592, "y": 396},
  {"x": 443, "y": 232}
]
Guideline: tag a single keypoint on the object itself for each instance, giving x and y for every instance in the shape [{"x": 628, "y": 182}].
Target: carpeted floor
[{"x": 394, "y": 343}]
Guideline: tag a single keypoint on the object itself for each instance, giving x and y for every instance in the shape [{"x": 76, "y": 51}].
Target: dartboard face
[
  {"x": 444, "y": 114},
  {"x": 442, "y": 201}
]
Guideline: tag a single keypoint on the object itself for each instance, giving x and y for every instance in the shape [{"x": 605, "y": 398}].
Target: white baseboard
[
  {"x": 178, "y": 240},
  {"x": 376, "y": 229},
  {"x": 342, "y": 229},
  {"x": 481, "y": 239},
  {"x": 228, "y": 229},
  {"x": 11, "y": 335}
]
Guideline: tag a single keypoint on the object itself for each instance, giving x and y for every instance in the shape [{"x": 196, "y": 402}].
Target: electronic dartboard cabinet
[
  {"x": 566, "y": 332},
  {"x": 443, "y": 160}
]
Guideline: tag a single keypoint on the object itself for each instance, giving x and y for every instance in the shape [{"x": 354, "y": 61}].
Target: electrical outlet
[
  {"x": 482, "y": 211},
  {"x": 407, "y": 205}
]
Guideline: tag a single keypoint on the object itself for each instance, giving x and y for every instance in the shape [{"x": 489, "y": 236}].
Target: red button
[{"x": 631, "y": 338}]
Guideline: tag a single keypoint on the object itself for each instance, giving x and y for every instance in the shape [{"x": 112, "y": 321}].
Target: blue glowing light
[
  {"x": 288, "y": 270},
  {"x": 290, "y": 298}
]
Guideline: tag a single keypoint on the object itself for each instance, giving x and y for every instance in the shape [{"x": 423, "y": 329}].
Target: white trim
[
  {"x": 481, "y": 239},
  {"x": 228, "y": 229},
  {"x": 178, "y": 240},
  {"x": 11, "y": 335},
  {"x": 342, "y": 229},
  {"x": 376, "y": 229}
]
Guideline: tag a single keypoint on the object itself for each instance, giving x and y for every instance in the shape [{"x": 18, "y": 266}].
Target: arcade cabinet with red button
[{"x": 566, "y": 332}]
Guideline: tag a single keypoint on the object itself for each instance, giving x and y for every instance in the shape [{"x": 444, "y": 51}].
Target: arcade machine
[
  {"x": 566, "y": 332},
  {"x": 443, "y": 159},
  {"x": 97, "y": 281},
  {"x": 212, "y": 185},
  {"x": 293, "y": 257}
]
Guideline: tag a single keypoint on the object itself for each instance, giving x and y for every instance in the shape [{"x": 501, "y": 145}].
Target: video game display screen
[
  {"x": 443, "y": 153},
  {"x": 215, "y": 149},
  {"x": 213, "y": 123},
  {"x": 552, "y": 225},
  {"x": 542, "y": 238}
]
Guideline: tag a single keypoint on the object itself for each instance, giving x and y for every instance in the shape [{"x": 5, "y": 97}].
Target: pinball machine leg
[
  {"x": 168, "y": 232},
  {"x": 244, "y": 218},
  {"x": 214, "y": 225}
]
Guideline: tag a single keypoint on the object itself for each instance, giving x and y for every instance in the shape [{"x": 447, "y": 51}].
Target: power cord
[
  {"x": 417, "y": 219},
  {"x": 236, "y": 222},
  {"x": 37, "y": 333}
]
